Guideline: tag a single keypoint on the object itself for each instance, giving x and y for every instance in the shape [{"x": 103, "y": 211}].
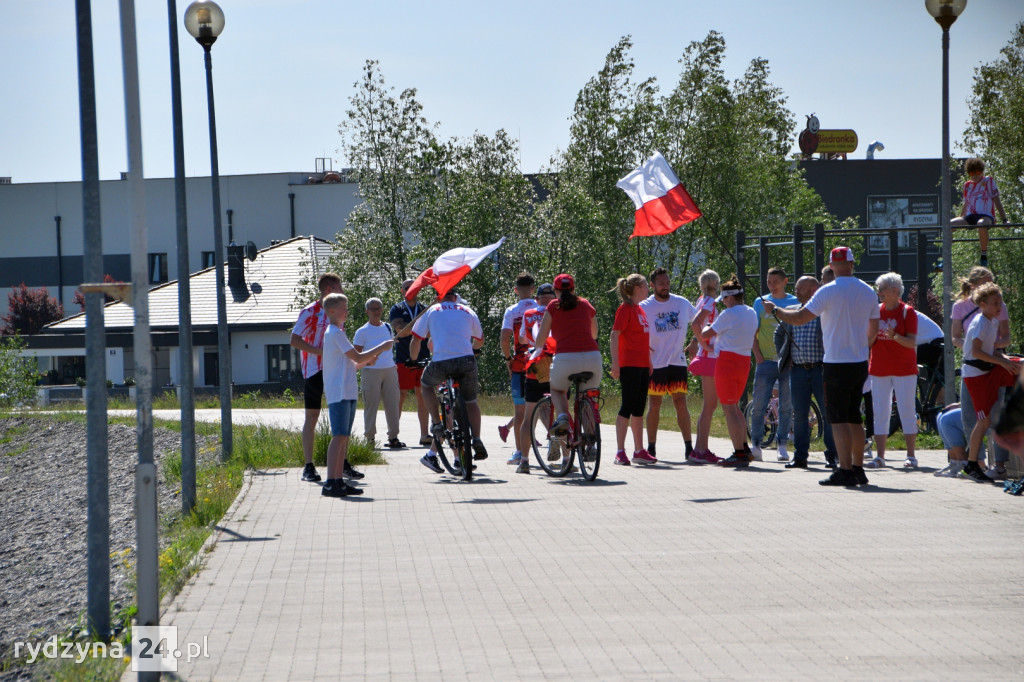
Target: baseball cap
[
  {"x": 841, "y": 253},
  {"x": 565, "y": 282},
  {"x": 546, "y": 289},
  {"x": 728, "y": 291}
]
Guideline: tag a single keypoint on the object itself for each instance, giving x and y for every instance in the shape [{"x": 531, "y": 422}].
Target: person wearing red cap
[
  {"x": 849, "y": 314},
  {"x": 572, "y": 321}
]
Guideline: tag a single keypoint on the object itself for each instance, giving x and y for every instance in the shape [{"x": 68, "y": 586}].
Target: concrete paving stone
[{"x": 675, "y": 571}]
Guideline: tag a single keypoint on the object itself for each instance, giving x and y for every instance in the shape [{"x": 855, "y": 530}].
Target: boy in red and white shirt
[{"x": 981, "y": 196}]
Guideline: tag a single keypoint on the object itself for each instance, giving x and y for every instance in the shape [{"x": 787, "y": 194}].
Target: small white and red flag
[
  {"x": 449, "y": 268},
  {"x": 662, "y": 203}
]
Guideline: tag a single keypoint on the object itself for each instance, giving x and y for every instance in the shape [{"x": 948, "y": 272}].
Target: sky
[{"x": 284, "y": 71}]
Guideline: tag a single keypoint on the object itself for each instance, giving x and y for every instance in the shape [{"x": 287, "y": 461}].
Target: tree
[
  {"x": 17, "y": 380},
  {"x": 29, "y": 310},
  {"x": 995, "y": 133}
]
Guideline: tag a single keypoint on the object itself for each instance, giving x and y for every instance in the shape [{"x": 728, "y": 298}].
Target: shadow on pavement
[
  {"x": 500, "y": 500},
  {"x": 582, "y": 482},
  {"x": 871, "y": 488},
  {"x": 238, "y": 537},
  {"x": 260, "y": 472},
  {"x": 706, "y": 500}
]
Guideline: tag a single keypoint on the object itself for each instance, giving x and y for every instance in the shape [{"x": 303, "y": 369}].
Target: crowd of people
[{"x": 855, "y": 349}]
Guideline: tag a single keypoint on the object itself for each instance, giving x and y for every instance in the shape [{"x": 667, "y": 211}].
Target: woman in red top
[
  {"x": 572, "y": 321},
  {"x": 631, "y": 365},
  {"x": 893, "y": 368}
]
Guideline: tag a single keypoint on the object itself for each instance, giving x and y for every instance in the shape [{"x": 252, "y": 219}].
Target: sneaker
[
  {"x": 876, "y": 463},
  {"x": 309, "y": 473},
  {"x": 830, "y": 460},
  {"x": 706, "y": 457},
  {"x": 859, "y": 475},
  {"x": 503, "y": 433},
  {"x": 797, "y": 463},
  {"x": 349, "y": 471},
  {"x": 974, "y": 473},
  {"x": 1013, "y": 487},
  {"x": 755, "y": 453},
  {"x": 644, "y": 457},
  {"x": 430, "y": 461},
  {"x": 328, "y": 489},
  {"x": 479, "y": 451},
  {"x": 951, "y": 470},
  {"x": 910, "y": 463},
  {"x": 554, "y": 449},
  {"x": 783, "y": 455},
  {"x": 523, "y": 468},
  {"x": 995, "y": 473},
  {"x": 868, "y": 452},
  {"x": 840, "y": 477},
  {"x": 620, "y": 458},
  {"x": 561, "y": 425},
  {"x": 516, "y": 458},
  {"x": 739, "y": 460}
]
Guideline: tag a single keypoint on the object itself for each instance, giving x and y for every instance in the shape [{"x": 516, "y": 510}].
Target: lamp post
[
  {"x": 945, "y": 13},
  {"x": 204, "y": 21}
]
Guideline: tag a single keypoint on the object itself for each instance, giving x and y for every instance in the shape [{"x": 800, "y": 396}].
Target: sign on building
[{"x": 888, "y": 212}]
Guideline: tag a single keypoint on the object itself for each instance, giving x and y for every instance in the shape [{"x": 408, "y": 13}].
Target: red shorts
[
  {"x": 408, "y": 379},
  {"x": 984, "y": 389},
  {"x": 731, "y": 372}
]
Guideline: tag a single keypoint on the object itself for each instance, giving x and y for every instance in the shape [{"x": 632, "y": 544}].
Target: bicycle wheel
[
  {"x": 550, "y": 446},
  {"x": 588, "y": 439},
  {"x": 771, "y": 425},
  {"x": 439, "y": 443},
  {"x": 814, "y": 420},
  {"x": 462, "y": 435}
]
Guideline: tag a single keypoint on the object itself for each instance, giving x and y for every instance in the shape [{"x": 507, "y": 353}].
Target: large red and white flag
[
  {"x": 449, "y": 268},
  {"x": 662, "y": 203}
]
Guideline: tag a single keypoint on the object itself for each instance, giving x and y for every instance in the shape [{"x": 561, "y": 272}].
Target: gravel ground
[{"x": 43, "y": 522}]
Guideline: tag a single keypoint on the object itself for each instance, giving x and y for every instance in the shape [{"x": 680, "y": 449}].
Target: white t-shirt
[
  {"x": 513, "y": 318},
  {"x": 927, "y": 330},
  {"x": 846, "y": 306},
  {"x": 339, "y": 371},
  {"x": 736, "y": 327},
  {"x": 988, "y": 331},
  {"x": 452, "y": 326},
  {"x": 368, "y": 337},
  {"x": 668, "y": 322}
]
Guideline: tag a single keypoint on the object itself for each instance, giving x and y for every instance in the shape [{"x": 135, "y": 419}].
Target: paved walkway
[{"x": 672, "y": 571}]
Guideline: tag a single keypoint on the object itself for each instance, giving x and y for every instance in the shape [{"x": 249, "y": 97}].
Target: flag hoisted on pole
[
  {"x": 449, "y": 268},
  {"x": 662, "y": 203}
]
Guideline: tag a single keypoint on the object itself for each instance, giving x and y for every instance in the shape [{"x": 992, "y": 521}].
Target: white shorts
[{"x": 565, "y": 364}]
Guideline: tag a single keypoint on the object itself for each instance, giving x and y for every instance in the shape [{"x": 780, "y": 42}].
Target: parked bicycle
[
  {"x": 458, "y": 434},
  {"x": 582, "y": 444},
  {"x": 771, "y": 421}
]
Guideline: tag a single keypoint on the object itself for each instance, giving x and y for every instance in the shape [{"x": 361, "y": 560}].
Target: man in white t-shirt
[
  {"x": 515, "y": 350},
  {"x": 849, "y": 314},
  {"x": 669, "y": 317},
  {"x": 380, "y": 380},
  {"x": 456, "y": 333}
]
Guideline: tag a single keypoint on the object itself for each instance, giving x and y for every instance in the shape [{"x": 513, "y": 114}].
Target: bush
[{"x": 17, "y": 376}]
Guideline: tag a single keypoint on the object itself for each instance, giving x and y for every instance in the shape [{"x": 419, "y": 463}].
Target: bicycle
[
  {"x": 931, "y": 383},
  {"x": 458, "y": 433},
  {"x": 583, "y": 441},
  {"x": 771, "y": 422}
]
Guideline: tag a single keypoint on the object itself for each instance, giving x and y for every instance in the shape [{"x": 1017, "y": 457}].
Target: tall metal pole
[
  {"x": 223, "y": 346},
  {"x": 945, "y": 208},
  {"x": 98, "y": 502},
  {"x": 147, "y": 569},
  {"x": 185, "y": 352}
]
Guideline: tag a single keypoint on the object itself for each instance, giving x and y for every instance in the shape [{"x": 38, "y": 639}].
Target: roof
[{"x": 270, "y": 298}]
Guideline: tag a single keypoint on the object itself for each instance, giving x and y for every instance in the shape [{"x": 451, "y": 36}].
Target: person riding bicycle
[
  {"x": 572, "y": 321},
  {"x": 456, "y": 333}
]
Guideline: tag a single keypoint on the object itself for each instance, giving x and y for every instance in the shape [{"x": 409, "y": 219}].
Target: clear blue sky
[{"x": 284, "y": 70}]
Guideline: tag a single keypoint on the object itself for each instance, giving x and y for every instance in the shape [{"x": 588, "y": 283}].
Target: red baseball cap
[
  {"x": 841, "y": 253},
  {"x": 565, "y": 282}
]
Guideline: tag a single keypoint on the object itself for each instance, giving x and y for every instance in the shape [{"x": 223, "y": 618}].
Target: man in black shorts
[
  {"x": 308, "y": 337},
  {"x": 849, "y": 313}
]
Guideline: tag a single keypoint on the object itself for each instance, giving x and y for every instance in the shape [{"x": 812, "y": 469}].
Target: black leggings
[{"x": 634, "y": 382}]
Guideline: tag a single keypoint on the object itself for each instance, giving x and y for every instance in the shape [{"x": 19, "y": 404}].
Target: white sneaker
[
  {"x": 867, "y": 448},
  {"x": 995, "y": 472},
  {"x": 783, "y": 455},
  {"x": 952, "y": 470},
  {"x": 756, "y": 452},
  {"x": 876, "y": 463},
  {"x": 910, "y": 463}
]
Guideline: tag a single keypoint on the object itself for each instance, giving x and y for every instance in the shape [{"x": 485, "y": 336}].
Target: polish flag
[
  {"x": 662, "y": 203},
  {"x": 449, "y": 268}
]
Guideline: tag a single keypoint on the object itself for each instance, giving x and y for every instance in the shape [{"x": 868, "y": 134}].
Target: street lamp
[
  {"x": 204, "y": 21},
  {"x": 945, "y": 13}
]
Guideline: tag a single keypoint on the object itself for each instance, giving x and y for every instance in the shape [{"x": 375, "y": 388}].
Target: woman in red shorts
[{"x": 733, "y": 332}]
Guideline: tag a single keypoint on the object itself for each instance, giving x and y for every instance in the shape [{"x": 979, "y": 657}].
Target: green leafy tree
[
  {"x": 995, "y": 133},
  {"x": 29, "y": 310},
  {"x": 17, "y": 379}
]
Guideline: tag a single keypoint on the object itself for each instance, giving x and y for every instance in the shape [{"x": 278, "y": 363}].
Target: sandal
[
  {"x": 395, "y": 444},
  {"x": 876, "y": 463}
]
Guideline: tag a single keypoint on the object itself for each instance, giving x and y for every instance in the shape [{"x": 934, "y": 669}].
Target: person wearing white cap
[{"x": 849, "y": 314}]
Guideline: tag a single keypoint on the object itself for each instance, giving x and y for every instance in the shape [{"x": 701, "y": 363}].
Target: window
[
  {"x": 157, "y": 268},
  {"x": 207, "y": 260},
  {"x": 283, "y": 363}
]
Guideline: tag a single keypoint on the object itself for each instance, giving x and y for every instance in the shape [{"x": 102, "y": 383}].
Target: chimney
[{"x": 236, "y": 272}]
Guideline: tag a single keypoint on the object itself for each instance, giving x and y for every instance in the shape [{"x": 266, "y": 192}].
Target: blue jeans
[
  {"x": 765, "y": 376},
  {"x": 803, "y": 384}
]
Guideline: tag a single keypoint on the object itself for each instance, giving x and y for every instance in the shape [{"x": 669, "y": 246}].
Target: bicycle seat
[{"x": 581, "y": 376}]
